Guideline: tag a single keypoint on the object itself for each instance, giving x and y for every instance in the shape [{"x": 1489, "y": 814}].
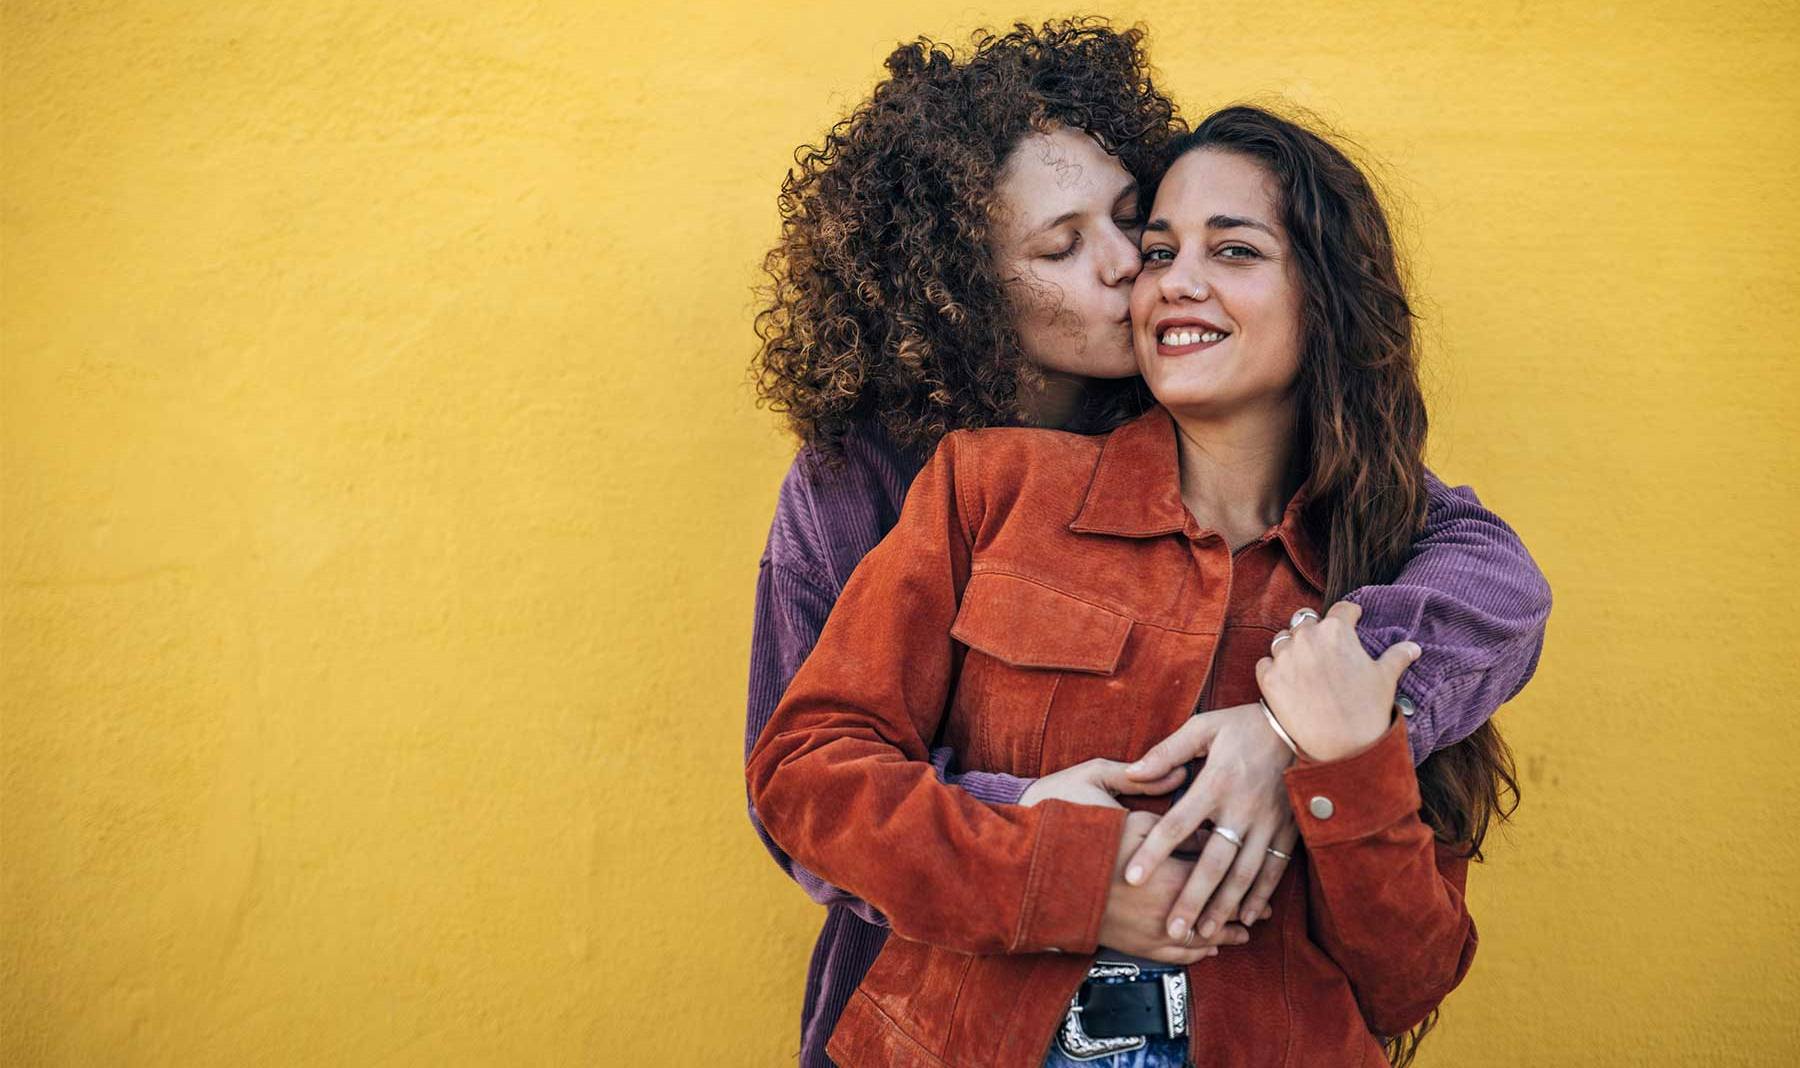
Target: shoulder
[
  {"x": 1030, "y": 444},
  {"x": 831, "y": 511},
  {"x": 1448, "y": 506},
  {"x": 996, "y": 467},
  {"x": 1439, "y": 493}
]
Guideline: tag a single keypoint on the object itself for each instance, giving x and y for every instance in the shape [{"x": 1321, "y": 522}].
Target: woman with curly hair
[{"x": 959, "y": 253}]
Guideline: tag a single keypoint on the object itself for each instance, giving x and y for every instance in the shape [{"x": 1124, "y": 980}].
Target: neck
[
  {"x": 1053, "y": 400},
  {"x": 1238, "y": 472}
]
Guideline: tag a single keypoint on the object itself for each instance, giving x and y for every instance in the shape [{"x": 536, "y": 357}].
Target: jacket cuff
[
  {"x": 1420, "y": 692},
  {"x": 1072, "y": 866},
  {"x": 992, "y": 787},
  {"x": 1359, "y": 795}
]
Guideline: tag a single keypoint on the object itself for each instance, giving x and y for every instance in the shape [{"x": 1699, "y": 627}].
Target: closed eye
[{"x": 1074, "y": 243}]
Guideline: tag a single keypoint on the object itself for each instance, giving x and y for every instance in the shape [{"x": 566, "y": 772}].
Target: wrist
[
  {"x": 1341, "y": 745},
  {"x": 1276, "y": 727}
]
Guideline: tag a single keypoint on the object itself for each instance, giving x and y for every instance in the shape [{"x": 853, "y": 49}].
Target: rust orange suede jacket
[{"x": 1047, "y": 598}]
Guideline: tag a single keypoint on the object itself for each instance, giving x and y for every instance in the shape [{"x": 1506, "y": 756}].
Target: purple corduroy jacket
[{"x": 1470, "y": 596}]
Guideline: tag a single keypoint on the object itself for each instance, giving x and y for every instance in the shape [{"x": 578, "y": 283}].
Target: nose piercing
[{"x": 1195, "y": 295}]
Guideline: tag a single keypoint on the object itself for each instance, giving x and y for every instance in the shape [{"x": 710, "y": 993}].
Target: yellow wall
[{"x": 382, "y": 499}]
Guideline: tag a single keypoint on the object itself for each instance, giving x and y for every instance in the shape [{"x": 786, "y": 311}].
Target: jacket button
[
  {"x": 1321, "y": 808},
  {"x": 1406, "y": 706}
]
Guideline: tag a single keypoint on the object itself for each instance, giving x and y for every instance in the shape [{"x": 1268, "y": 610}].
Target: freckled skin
[{"x": 1069, "y": 284}]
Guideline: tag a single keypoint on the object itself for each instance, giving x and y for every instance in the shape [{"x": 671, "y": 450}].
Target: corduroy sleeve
[{"x": 1476, "y": 603}]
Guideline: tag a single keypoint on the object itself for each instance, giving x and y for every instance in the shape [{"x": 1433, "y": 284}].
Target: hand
[
  {"x": 1097, "y": 782},
  {"x": 1134, "y": 920},
  {"x": 1326, "y": 691},
  {"x": 1239, "y": 787}
]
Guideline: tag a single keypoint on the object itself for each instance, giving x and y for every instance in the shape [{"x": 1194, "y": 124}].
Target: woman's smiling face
[{"x": 1215, "y": 309}]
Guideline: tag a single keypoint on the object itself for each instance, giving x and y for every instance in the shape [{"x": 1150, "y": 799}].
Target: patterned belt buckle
[
  {"x": 1175, "y": 991},
  {"x": 1077, "y": 1044}
]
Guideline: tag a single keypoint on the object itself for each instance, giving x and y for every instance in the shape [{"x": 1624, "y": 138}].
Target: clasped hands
[{"x": 1331, "y": 697}]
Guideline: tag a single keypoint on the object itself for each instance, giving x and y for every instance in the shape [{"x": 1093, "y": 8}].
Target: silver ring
[
  {"x": 1302, "y": 616},
  {"x": 1230, "y": 835},
  {"x": 1284, "y": 636},
  {"x": 1195, "y": 295},
  {"x": 1279, "y": 853},
  {"x": 1189, "y": 940}
]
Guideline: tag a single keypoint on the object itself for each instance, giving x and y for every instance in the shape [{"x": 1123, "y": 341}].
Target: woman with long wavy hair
[{"x": 959, "y": 253}]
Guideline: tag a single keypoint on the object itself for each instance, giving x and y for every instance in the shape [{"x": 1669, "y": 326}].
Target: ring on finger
[
  {"x": 1188, "y": 940},
  {"x": 1279, "y": 853},
  {"x": 1302, "y": 616},
  {"x": 1230, "y": 835},
  {"x": 1284, "y": 636}
]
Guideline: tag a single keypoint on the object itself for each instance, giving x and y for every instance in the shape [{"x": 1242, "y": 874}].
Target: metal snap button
[
  {"x": 1321, "y": 807},
  {"x": 1406, "y": 706}
]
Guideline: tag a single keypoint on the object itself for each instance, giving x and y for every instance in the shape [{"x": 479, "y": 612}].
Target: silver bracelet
[{"x": 1275, "y": 725}]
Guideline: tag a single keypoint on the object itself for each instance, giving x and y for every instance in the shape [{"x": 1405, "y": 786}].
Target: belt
[{"x": 1117, "y": 1017}]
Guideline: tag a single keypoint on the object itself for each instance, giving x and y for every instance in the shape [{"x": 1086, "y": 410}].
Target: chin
[
  {"x": 1095, "y": 369},
  {"x": 1121, "y": 364},
  {"x": 1186, "y": 397}
]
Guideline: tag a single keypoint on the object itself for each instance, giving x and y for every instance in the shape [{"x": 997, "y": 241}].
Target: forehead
[
  {"x": 1049, "y": 173},
  {"x": 1211, "y": 182}
]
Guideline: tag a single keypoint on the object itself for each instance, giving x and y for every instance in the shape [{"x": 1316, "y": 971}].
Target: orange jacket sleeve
[
  {"x": 1384, "y": 896},
  {"x": 841, "y": 774}
]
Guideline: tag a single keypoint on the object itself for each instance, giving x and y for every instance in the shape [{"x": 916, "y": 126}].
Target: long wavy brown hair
[
  {"x": 1362, "y": 424},
  {"x": 883, "y": 302}
]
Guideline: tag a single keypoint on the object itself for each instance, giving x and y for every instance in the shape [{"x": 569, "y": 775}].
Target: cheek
[
  {"x": 1143, "y": 297},
  {"x": 1291, "y": 339},
  {"x": 1275, "y": 311},
  {"x": 1048, "y": 318}
]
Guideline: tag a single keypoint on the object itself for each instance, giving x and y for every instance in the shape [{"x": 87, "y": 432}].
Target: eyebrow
[
  {"x": 1130, "y": 188},
  {"x": 1217, "y": 222}
]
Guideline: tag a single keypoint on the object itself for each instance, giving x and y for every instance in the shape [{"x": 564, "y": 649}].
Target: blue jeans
[{"x": 1160, "y": 1052}]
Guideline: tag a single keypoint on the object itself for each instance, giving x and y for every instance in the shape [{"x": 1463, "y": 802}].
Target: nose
[
  {"x": 1178, "y": 285},
  {"x": 1119, "y": 265}
]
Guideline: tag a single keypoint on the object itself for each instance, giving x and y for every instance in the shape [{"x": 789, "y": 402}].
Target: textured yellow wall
[{"x": 382, "y": 500}]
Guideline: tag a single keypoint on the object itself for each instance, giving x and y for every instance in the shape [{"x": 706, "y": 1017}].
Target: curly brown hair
[{"x": 883, "y": 302}]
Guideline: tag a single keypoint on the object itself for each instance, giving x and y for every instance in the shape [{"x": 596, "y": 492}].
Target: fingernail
[
  {"x": 1176, "y": 927},
  {"x": 1249, "y": 917},
  {"x": 1134, "y": 874},
  {"x": 1207, "y": 929}
]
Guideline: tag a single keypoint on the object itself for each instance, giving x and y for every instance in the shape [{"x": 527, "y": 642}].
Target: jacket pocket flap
[{"x": 1024, "y": 624}]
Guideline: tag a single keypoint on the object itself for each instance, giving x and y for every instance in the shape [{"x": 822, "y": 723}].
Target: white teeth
[{"x": 1190, "y": 337}]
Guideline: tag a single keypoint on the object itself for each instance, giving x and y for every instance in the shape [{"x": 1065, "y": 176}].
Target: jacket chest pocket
[{"x": 1031, "y": 649}]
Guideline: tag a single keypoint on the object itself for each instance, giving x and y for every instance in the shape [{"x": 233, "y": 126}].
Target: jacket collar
[{"x": 1136, "y": 493}]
